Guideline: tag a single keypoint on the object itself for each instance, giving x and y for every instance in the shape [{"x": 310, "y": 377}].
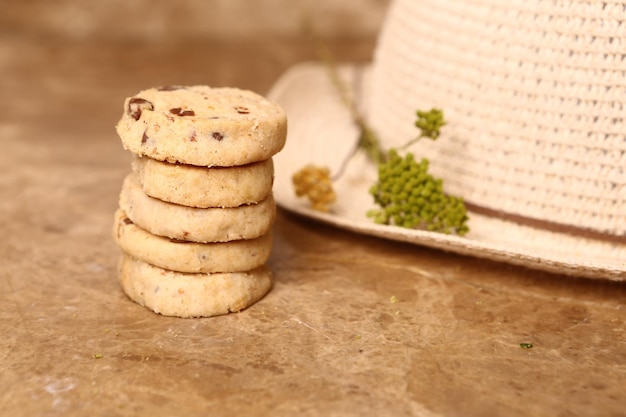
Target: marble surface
[{"x": 354, "y": 325}]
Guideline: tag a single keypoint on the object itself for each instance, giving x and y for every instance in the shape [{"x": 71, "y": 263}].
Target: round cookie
[
  {"x": 203, "y": 126},
  {"x": 195, "y": 224},
  {"x": 177, "y": 255},
  {"x": 194, "y": 186},
  {"x": 191, "y": 295}
]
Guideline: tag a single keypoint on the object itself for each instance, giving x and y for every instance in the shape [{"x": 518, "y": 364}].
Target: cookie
[
  {"x": 203, "y": 126},
  {"x": 182, "y": 256},
  {"x": 194, "y": 186},
  {"x": 191, "y": 295},
  {"x": 195, "y": 224}
]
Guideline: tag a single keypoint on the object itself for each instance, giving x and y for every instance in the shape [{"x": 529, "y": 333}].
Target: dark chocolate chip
[
  {"x": 144, "y": 138},
  {"x": 218, "y": 136},
  {"x": 174, "y": 240},
  {"x": 171, "y": 88},
  {"x": 242, "y": 110},
  {"x": 180, "y": 112},
  {"x": 127, "y": 220},
  {"x": 137, "y": 105}
]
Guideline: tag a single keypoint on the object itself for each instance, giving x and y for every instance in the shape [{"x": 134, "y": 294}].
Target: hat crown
[{"x": 534, "y": 93}]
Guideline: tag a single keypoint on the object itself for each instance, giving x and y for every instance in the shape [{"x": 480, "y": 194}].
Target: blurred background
[
  {"x": 83, "y": 57},
  {"x": 188, "y": 20}
]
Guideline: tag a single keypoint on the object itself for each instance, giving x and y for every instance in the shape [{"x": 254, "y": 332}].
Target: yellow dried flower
[{"x": 314, "y": 182}]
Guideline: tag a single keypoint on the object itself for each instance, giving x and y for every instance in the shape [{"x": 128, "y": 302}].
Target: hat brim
[{"x": 321, "y": 132}]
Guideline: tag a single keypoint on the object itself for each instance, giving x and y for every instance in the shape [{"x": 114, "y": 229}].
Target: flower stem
[{"x": 368, "y": 140}]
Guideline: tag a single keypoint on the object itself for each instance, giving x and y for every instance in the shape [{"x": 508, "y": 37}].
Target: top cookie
[{"x": 202, "y": 126}]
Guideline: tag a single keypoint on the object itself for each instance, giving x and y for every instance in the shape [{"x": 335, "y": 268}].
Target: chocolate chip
[
  {"x": 218, "y": 136},
  {"x": 242, "y": 110},
  {"x": 180, "y": 112},
  {"x": 127, "y": 220},
  {"x": 171, "y": 88},
  {"x": 174, "y": 240},
  {"x": 137, "y": 105},
  {"x": 144, "y": 138}
]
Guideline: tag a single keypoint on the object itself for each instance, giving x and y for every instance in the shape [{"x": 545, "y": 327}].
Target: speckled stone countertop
[{"x": 354, "y": 326}]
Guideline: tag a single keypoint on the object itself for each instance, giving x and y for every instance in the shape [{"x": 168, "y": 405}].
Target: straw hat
[{"x": 534, "y": 93}]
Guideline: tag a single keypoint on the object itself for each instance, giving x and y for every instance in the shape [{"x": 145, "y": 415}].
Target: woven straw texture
[
  {"x": 535, "y": 95},
  {"x": 321, "y": 132}
]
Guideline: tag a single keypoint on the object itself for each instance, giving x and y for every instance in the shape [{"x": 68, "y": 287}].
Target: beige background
[{"x": 165, "y": 20}]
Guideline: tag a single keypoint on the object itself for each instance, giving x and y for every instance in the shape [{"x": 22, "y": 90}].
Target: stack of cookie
[{"x": 196, "y": 212}]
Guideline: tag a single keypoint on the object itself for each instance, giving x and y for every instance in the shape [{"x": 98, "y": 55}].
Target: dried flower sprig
[
  {"x": 406, "y": 194},
  {"x": 314, "y": 183}
]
